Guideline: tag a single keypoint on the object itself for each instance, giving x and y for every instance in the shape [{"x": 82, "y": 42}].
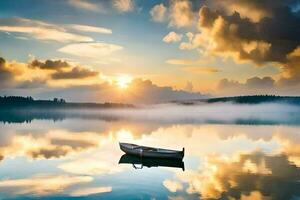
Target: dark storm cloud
[
  {"x": 75, "y": 73},
  {"x": 253, "y": 9},
  {"x": 50, "y": 64},
  {"x": 270, "y": 39},
  {"x": 60, "y": 68},
  {"x": 257, "y": 31}
]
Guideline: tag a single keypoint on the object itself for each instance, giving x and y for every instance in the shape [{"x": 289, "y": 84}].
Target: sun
[{"x": 123, "y": 81}]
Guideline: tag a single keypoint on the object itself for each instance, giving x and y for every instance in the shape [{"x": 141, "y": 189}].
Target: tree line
[
  {"x": 19, "y": 102},
  {"x": 256, "y": 99}
]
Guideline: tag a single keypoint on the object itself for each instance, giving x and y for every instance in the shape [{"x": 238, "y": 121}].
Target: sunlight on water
[{"x": 76, "y": 158}]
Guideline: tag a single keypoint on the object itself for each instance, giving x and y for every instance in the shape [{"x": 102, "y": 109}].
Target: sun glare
[{"x": 123, "y": 81}]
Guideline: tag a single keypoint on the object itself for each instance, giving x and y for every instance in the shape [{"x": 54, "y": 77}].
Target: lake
[{"x": 231, "y": 152}]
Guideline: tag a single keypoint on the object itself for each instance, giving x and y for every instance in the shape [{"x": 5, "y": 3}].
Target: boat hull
[{"x": 150, "y": 152}]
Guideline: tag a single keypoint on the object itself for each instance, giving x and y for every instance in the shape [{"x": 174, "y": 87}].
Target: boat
[
  {"x": 139, "y": 163},
  {"x": 150, "y": 152}
]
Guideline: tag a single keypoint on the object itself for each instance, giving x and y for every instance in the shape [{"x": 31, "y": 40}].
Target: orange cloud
[
  {"x": 181, "y": 14},
  {"x": 172, "y": 37},
  {"x": 90, "y": 50},
  {"x": 124, "y": 5},
  {"x": 158, "y": 12},
  {"x": 201, "y": 70}
]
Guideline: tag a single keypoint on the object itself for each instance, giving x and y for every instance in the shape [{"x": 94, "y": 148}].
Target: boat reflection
[{"x": 139, "y": 163}]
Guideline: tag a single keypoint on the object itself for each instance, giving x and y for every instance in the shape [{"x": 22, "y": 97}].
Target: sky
[{"x": 149, "y": 51}]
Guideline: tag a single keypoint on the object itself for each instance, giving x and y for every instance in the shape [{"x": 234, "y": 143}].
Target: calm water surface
[{"x": 78, "y": 158}]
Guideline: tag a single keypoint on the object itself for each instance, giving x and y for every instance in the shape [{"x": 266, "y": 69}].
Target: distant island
[
  {"x": 256, "y": 99},
  {"x": 253, "y": 99},
  {"x": 18, "y": 102}
]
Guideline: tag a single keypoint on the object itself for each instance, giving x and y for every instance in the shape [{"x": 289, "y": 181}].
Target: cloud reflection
[
  {"x": 247, "y": 176},
  {"x": 53, "y": 144},
  {"x": 42, "y": 185},
  {"x": 90, "y": 191}
]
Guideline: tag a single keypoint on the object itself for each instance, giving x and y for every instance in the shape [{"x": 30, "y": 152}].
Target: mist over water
[
  {"x": 203, "y": 113},
  {"x": 223, "y": 113}
]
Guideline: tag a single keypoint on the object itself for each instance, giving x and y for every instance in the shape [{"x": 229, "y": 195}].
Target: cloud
[
  {"x": 63, "y": 69},
  {"x": 10, "y": 73},
  {"x": 2, "y": 62},
  {"x": 6, "y": 76},
  {"x": 158, "y": 13},
  {"x": 86, "y": 5},
  {"x": 181, "y": 14},
  {"x": 200, "y": 70},
  {"x": 287, "y": 84},
  {"x": 255, "y": 41},
  {"x": 52, "y": 144},
  {"x": 194, "y": 40},
  {"x": 232, "y": 35},
  {"x": 184, "y": 62},
  {"x": 124, "y": 5},
  {"x": 32, "y": 84},
  {"x": 75, "y": 73},
  {"x": 40, "y": 30},
  {"x": 260, "y": 82},
  {"x": 138, "y": 91},
  {"x": 254, "y": 10},
  {"x": 172, "y": 37},
  {"x": 144, "y": 91},
  {"x": 94, "y": 29},
  {"x": 254, "y": 85},
  {"x": 172, "y": 186},
  {"x": 50, "y": 64},
  {"x": 253, "y": 31},
  {"x": 43, "y": 184},
  {"x": 90, "y": 191},
  {"x": 38, "y": 74},
  {"x": 90, "y": 50},
  {"x": 292, "y": 70}
]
